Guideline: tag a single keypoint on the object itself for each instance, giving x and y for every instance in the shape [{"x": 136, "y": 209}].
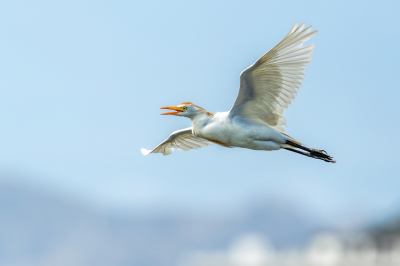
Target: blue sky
[{"x": 82, "y": 83}]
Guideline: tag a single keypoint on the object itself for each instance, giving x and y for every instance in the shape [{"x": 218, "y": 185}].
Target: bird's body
[
  {"x": 255, "y": 121},
  {"x": 237, "y": 131}
]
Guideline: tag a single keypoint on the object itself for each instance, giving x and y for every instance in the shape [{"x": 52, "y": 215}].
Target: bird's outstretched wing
[
  {"x": 270, "y": 85},
  {"x": 183, "y": 140}
]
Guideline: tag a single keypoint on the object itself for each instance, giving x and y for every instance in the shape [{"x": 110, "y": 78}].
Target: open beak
[{"x": 177, "y": 109}]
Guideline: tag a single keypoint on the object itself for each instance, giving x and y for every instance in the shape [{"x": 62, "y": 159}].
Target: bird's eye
[{"x": 184, "y": 108}]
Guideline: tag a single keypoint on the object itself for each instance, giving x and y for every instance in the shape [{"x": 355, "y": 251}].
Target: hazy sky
[{"x": 82, "y": 83}]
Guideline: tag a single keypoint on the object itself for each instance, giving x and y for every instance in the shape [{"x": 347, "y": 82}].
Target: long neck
[{"x": 200, "y": 120}]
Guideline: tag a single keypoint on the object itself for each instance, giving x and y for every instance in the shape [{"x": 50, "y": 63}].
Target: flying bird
[{"x": 255, "y": 120}]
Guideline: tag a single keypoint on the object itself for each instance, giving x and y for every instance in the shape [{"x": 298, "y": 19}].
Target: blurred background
[{"x": 81, "y": 87}]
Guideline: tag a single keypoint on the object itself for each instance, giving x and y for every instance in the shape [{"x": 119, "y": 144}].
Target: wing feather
[
  {"x": 270, "y": 85},
  {"x": 183, "y": 140}
]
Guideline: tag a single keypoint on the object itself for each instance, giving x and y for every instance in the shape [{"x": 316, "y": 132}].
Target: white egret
[{"x": 255, "y": 121}]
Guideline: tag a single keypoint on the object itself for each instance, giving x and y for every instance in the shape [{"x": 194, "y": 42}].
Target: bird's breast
[{"x": 215, "y": 130}]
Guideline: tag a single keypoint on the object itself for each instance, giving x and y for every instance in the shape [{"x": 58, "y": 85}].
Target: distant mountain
[
  {"x": 42, "y": 229},
  {"x": 386, "y": 235}
]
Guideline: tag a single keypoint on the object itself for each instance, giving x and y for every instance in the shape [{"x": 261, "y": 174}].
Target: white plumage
[
  {"x": 182, "y": 139},
  {"x": 255, "y": 121},
  {"x": 270, "y": 85}
]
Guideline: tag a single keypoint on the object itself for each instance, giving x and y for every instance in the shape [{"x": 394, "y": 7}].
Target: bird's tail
[{"x": 313, "y": 153}]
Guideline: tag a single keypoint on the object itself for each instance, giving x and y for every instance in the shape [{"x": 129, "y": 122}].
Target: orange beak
[{"x": 177, "y": 109}]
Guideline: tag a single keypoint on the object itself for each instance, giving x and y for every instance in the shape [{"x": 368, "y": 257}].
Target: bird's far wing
[
  {"x": 270, "y": 85},
  {"x": 183, "y": 140}
]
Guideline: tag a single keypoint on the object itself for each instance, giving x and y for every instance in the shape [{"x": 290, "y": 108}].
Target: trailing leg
[{"x": 314, "y": 153}]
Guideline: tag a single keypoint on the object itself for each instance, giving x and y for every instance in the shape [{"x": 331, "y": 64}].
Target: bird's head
[{"x": 186, "y": 109}]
